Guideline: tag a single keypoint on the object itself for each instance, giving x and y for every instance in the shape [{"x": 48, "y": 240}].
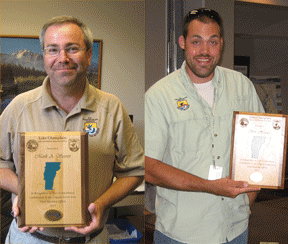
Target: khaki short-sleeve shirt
[{"x": 114, "y": 149}]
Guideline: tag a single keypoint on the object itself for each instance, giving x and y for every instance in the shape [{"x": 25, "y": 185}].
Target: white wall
[{"x": 121, "y": 26}]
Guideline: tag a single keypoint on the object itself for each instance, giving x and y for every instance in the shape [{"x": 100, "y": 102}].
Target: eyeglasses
[
  {"x": 197, "y": 13},
  {"x": 71, "y": 50}
]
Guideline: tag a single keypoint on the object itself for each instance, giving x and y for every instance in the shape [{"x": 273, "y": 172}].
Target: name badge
[{"x": 215, "y": 172}]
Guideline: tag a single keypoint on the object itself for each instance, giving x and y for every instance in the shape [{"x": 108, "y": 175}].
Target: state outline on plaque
[{"x": 51, "y": 168}]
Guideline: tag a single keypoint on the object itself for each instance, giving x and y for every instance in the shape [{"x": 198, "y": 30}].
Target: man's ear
[
  {"x": 222, "y": 42},
  {"x": 89, "y": 52},
  {"x": 181, "y": 41}
]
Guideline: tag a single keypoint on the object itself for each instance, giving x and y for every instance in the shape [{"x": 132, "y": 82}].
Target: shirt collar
[
  {"x": 47, "y": 100},
  {"x": 86, "y": 102},
  {"x": 216, "y": 81}
]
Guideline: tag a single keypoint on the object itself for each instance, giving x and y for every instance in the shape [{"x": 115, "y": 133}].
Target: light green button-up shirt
[{"x": 180, "y": 130}]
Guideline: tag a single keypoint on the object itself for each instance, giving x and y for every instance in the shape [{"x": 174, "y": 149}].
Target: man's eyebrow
[
  {"x": 196, "y": 36},
  {"x": 52, "y": 45},
  {"x": 72, "y": 43},
  {"x": 215, "y": 36},
  {"x": 67, "y": 45}
]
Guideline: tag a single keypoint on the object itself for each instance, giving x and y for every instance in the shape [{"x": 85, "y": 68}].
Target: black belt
[{"x": 53, "y": 239}]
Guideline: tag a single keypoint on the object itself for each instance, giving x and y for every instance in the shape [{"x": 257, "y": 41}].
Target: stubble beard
[
  {"x": 204, "y": 70},
  {"x": 69, "y": 79}
]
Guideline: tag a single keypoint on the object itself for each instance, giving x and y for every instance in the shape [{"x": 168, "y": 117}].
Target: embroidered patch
[
  {"x": 90, "y": 126},
  {"x": 182, "y": 104}
]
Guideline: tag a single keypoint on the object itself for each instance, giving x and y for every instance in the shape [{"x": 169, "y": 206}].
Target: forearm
[
  {"x": 164, "y": 175},
  {"x": 121, "y": 188},
  {"x": 9, "y": 180},
  {"x": 161, "y": 174},
  {"x": 252, "y": 197}
]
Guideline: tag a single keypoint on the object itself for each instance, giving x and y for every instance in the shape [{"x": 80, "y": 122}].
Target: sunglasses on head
[{"x": 197, "y": 13}]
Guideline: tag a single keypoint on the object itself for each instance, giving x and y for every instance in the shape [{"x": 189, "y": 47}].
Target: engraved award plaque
[
  {"x": 53, "y": 179},
  {"x": 258, "y": 151}
]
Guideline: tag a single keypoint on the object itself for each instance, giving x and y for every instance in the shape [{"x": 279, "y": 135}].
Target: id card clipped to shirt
[{"x": 215, "y": 172}]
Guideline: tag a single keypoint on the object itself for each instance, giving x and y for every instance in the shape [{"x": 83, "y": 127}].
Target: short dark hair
[
  {"x": 60, "y": 20},
  {"x": 204, "y": 15}
]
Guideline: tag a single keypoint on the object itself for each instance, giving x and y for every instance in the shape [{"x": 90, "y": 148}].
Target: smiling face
[
  {"x": 202, "y": 47},
  {"x": 65, "y": 70}
]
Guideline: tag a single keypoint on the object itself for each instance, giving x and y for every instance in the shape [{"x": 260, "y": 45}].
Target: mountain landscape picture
[{"x": 22, "y": 66}]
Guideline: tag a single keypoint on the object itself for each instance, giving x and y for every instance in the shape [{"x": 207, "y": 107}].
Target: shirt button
[
  {"x": 218, "y": 157},
  {"x": 215, "y": 135}
]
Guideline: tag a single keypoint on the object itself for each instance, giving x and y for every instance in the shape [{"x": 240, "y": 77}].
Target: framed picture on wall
[
  {"x": 242, "y": 64},
  {"x": 22, "y": 65}
]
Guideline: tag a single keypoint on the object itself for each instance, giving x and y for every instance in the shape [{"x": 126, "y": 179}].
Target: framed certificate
[
  {"x": 258, "y": 150},
  {"x": 53, "y": 179}
]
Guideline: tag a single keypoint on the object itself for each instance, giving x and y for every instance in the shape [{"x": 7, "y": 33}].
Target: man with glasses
[
  {"x": 188, "y": 125},
  {"x": 66, "y": 102}
]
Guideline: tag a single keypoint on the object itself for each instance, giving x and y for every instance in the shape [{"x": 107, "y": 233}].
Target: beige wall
[{"x": 121, "y": 26}]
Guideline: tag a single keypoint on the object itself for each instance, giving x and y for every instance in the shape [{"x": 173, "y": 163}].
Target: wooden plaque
[
  {"x": 258, "y": 152},
  {"x": 53, "y": 179}
]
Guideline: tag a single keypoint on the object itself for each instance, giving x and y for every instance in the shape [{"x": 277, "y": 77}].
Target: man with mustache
[
  {"x": 188, "y": 125},
  {"x": 66, "y": 102}
]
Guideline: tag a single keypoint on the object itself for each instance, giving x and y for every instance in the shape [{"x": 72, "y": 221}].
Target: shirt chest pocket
[
  {"x": 189, "y": 135},
  {"x": 240, "y": 104}
]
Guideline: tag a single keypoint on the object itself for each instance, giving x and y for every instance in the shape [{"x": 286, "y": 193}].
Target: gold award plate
[
  {"x": 53, "y": 179},
  {"x": 258, "y": 151}
]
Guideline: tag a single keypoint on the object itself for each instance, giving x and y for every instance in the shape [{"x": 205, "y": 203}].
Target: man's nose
[
  {"x": 205, "y": 48},
  {"x": 62, "y": 56}
]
